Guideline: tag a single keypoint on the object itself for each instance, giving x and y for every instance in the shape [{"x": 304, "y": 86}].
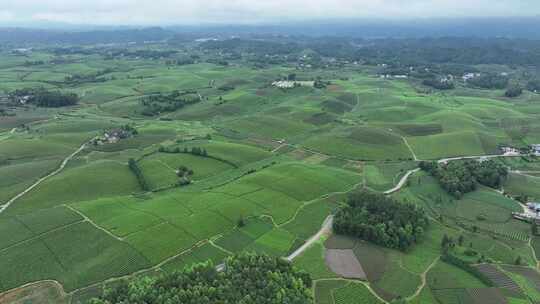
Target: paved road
[
  {"x": 327, "y": 225},
  {"x": 325, "y": 229},
  {"x": 402, "y": 181}
]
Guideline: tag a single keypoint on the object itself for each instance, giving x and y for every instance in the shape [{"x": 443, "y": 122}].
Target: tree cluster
[
  {"x": 381, "y": 220},
  {"x": 513, "y": 91},
  {"x": 162, "y": 103},
  {"x": 460, "y": 177},
  {"x": 246, "y": 279},
  {"x": 43, "y": 98},
  {"x": 489, "y": 81},
  {"x": 93, "y": 77},
  {"x": 185, "y": 174},
  {"x": 533, "y": 85}
]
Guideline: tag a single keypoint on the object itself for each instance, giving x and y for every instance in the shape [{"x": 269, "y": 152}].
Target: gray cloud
[{"x": 250, "y": 11}]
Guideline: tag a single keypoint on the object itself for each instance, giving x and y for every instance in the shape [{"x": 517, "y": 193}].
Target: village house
[
  {"x": 469, "y": 76},
  {"x": 286, "y": 84},
  {"x": 509, "y": 151},
  {"x": 536, "y": 149},
  {"x": 534, "y": 206},
  {"x": 113, "y": 136}
]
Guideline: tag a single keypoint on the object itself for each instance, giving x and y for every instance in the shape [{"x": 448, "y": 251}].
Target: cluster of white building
[
  {"x": 287, "y": 84},
  {"x": 536, "y": 149}
]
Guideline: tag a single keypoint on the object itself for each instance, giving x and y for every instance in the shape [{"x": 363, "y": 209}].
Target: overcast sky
[{"x": 166, "y": 12}]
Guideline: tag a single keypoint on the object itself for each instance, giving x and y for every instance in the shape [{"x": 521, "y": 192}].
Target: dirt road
[{"x": 39, "y": 181}]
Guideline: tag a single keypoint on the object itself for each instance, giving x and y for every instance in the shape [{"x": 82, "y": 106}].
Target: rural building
[
  {"x": 388, "y": 76},
  {"x": 536, "y": 149},
  {"x": 469, "y": 76},
  {"x": 510, "y": 151},
  {"x": 286, "y": 84},
  {"x": 112, "y": 136},
  {"x": 534, "y": 206}
]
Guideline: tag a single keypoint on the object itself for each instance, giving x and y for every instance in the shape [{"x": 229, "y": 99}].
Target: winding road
[{"x": 326, "y": 227}]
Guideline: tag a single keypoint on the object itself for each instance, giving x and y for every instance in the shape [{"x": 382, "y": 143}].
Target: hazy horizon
[{"x": 191, "y": 12}]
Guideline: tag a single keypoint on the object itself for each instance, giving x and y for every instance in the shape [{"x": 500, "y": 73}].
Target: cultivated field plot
[
  {"x": 279, "y": 162},
  {"x": 499, "y": 278},
  {"x": 361, "y": 143},
  {"x": 343, "y": 262},
  {"x": 381, "y": 267}
]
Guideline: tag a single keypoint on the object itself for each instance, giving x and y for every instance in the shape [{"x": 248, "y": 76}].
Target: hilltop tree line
[
  {"x": 489, "y": 81},
  {"x": 381, "y": 220},
  {"x": 93, "y": 77},
  {"x": 197, "y": 151},
  {"x": 460, "y": 177},
  {"x": 162, "y": 103},
  {"x": 43, "y": 98},
  {"x": 134, "y": 167},
  {"x": 246, "y": 279}
]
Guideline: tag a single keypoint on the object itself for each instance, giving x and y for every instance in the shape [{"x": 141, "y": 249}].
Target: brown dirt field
[
  {"x": 499, "y": 278},
  {"x": 299, "y": 154},
  {"x": 343, "y": 262},
  {"x": 316, "y": 159},
  {"x": 334, "y": 88},
  {"x": 529, "y": 273},
  {"x": 264, "y": 143},
  {"x": 487, "y": 296},
  {"x": 374, "y": 260},
  {"x": 38, "y": 293}
]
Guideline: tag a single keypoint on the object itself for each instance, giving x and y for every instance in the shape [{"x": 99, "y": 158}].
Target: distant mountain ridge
[
  {"x": 511, "y": 27},
  {"x": 31, "y": 36}
]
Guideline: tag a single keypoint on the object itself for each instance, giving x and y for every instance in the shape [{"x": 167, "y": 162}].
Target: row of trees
[
  {"x": 460, "y": 177},
  {"x": 246, "y": 279},
  {"x": 197, "y": 151},
  {"x": 134, "y": 167},
  {"x": 381, "y": 220},
  {"x": 43, "y": 98},
  {"x": 93, "y": 77},
  {"x": 162, "y": 103}
]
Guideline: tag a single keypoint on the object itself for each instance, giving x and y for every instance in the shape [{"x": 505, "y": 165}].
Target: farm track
[
  {"x": 325, "y": 228},
  {"x": 39, "y": 236},
  {"x": 409, "y": 147},
  {"x": 87, "y": 219},
  {"x": 423, "y": 277},
  {"x": 368, "y": 287},
  {"x": 39, "y": 181}
]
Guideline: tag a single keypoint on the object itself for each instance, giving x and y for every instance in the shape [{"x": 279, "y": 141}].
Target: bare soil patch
[
  {"x": 40, "y": 292},
  {"x": 499, "y": 278},
  {"x": 343, "y": 262},
  {"x": 487, "y": 296}
]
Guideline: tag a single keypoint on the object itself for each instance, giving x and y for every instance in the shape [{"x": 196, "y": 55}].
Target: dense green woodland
[
  {"x": 43, "y": 98},
  {"x": 382, "y": 220},
  {"x": 163, "y": 103},
  {"x": 458, "y": 178},
  {"x": 246, "y": 279}
]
